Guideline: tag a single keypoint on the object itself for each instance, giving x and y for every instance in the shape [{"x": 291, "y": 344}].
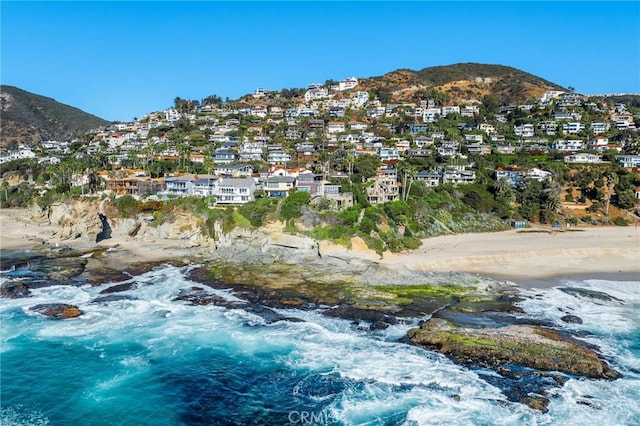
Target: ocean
[{"x": 149, "y": 360}]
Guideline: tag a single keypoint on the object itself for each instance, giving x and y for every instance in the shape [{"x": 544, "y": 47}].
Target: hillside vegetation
[
  {"x": 30, "y": 118},
  {"x": 461, "y": 81}
]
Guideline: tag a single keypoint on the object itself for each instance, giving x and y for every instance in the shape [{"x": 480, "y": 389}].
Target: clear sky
[{"x": 122, "y": 59}]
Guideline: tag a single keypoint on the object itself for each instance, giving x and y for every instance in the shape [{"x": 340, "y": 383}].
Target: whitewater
[{"x": 150, "y": 360}]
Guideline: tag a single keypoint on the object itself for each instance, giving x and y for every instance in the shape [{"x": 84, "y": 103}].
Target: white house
[
  {"x": 628, "y": 161},
  {"x": 278, "y": 156},
  {"x": 568, "y": 145},
  {"x": 316, "y": 93},
  {"x": 17, "y": 155},
  {"x": 235, "y": 191},
  {"x": 457, "y": 177},
  {"x": 550, "y": 95},
  {"x": 430, "y": 179},
  {"x": 582, "y": 158},
  {"x": 454, "y": 109},
  {"x": 469, "y": 111},
  {"x": 360, "y": 98},
  {"x": 358, "y": 126},
  {"x": 335, "y": 127},
  {"x": 573, "y": 127},
  {"x": 524, "y": 130},
  {"x": 424, "y": 141},
  {"x": 431, "y": 115},
  {"x": 549, "y": 127},
  {"x": 388, "y": 154},
  {"x": 599, "y": 127},
  {"x": 347, "y": 84},
  {"x": 487, "y": 128},
  {"x": 233, "y": 170}
]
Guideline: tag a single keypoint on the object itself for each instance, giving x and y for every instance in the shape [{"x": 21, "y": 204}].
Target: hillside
[
  {"x": 30, "y": 118},
  {"x": 461, "y": 82}
]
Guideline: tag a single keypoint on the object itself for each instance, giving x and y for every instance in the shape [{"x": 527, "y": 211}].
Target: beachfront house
[
  {"x": 235, "y": 190},
  {"x": 279, "y": 186},
  {"x": 385, "y": 187}
]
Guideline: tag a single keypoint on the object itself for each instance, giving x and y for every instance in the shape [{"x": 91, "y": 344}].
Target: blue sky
[{"x": 122, "y": 59}]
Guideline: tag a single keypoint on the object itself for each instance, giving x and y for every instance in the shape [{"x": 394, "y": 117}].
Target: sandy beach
[
  {"x": 530, "y": 255},
  {"x": 520, "y": 256}
]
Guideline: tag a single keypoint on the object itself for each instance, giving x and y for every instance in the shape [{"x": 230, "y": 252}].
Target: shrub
[
  {"x": 126, "y": 206},
  {"x": 351, "y": 215},
  {"x": 291, "y": 207},
  {"x": 258, "y": 211},
  {"x": 620, "y": 221}
]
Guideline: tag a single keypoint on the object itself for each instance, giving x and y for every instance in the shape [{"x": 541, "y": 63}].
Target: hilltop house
[
  {"x": 429, "y": 179},
  {"x": 568, "y": 145},
  {"x": 233, "y": 170},
  {"x": 457, "y": 177},
  {"x": 628, "y": 161},
  {"x": 515, "y": 176},
  {"x": 582, "y": 158}
]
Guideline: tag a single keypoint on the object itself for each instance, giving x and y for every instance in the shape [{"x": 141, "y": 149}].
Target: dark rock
[
  {"x": 112, "y": 298},
  {"x": 135, "y": 229},
  {"x": 536, "y": 402},
  {"x": 349, "y": 312},
  {"x": 105, "y": 234},
  {"x": 202, "y": 299},
  {"x": 268, "y": 315},
  {"x": 14, "y": 290},
  {"x": 60, "y": 269},
  {"x": 455, "y": 397},
  {"x": 591, "y": 294},
  {"x": 378, "y": 325},
  {"x": 118, "y": 288},
  {"x": 57, "y": 310},
  {"x": 571, "y": 319}
]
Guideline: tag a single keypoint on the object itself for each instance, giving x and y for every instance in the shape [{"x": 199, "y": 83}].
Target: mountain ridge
[
  {"x": 462, "y": 81},
  {"x": 31, "y": 118}
]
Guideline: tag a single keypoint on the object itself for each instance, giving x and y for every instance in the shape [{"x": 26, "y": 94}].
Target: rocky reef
[
  {"x": 527, "y": 345},
  {"x": 57, "y": 310}
]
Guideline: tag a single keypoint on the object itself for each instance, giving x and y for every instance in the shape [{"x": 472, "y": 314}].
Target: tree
[
  {"x": 365, "y": 166},
  {"x": 504, "y": 191},
  {"x": 408, "y": 172}
]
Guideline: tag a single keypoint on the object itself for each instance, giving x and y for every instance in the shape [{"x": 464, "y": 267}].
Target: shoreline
[{"x": 530, "y": 259}]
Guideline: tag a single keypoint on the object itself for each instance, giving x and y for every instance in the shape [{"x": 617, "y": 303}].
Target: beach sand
[
  {"x": 522, "y": 256},
  {"x": 526, "y": 256}
]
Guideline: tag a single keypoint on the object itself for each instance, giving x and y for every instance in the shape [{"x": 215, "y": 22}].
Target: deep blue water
[{"x": 152, "y": 361}]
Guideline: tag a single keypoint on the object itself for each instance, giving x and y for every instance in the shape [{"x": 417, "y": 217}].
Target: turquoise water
[{"x": 153, "y": 361}]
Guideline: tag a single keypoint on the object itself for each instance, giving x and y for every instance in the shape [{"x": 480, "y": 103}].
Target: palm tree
[
  {"x": 551, "y": 202},
  {"x": 612, "y": 181},
  {"x": 501, "y": 185},
  {"x": 410, "y": 171}
]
